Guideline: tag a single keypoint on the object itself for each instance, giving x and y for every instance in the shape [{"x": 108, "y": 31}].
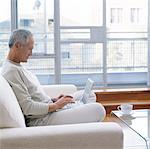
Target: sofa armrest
[
  {"x": 104, "y": 135},
  {"x": 56, "y": 90}
]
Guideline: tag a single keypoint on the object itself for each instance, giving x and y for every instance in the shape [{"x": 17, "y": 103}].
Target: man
[{"x": 37, "y": 107}]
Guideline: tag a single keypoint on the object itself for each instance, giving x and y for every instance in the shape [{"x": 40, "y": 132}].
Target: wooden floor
[{"x": 131, "y": 139}]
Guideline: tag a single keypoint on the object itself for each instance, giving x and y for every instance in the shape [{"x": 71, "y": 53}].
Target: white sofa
[{"x": 15, "y": 135}]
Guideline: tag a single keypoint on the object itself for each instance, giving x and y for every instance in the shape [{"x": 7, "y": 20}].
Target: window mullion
[
  {"x": 148, "y": 76},
  {"x": 57, "y": 42},
  {"x": 104, "y": 46},
  {"x": 14, "y": 15}
]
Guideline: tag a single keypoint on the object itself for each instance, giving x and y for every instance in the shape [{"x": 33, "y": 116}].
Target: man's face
[{"x": 26, "y": 50}]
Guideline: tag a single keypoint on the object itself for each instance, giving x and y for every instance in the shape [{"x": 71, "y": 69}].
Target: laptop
[
  {"x": 87, "y": 90},
  {"x": 84, "y": 97}
]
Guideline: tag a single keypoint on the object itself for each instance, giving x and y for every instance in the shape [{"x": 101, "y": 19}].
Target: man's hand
[
  {"x": 61, "y": 102},
  {"x": 56, "y": 98}
]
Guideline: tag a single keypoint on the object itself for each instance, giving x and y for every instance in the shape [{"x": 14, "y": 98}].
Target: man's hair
[{"x": 19, "y": 35}]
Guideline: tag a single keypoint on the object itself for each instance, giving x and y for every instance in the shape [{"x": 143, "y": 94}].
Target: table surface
[{"x": 137, "y": 120}]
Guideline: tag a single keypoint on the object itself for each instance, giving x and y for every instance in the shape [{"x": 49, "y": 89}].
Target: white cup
[{"x": 125, "y": 108}]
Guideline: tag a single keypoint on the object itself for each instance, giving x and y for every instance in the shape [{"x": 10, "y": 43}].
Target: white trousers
[{"x": 86, "y": 113}]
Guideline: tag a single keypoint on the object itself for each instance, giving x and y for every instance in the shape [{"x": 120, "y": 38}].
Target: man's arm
[{"x": 28, "y": 106}]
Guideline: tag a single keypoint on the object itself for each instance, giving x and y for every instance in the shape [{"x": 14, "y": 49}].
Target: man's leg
[{"x": 92, "y": 112}]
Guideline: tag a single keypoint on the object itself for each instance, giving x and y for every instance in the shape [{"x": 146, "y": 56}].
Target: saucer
[{"x": 126, "y": 113}]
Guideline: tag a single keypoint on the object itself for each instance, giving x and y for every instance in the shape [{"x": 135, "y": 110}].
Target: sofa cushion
[{"x": 10, "y": 112}]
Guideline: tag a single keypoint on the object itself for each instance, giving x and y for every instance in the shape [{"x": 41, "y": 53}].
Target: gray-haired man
[{"x": 39, "y": 108}]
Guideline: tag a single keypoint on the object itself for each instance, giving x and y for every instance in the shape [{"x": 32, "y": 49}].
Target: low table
[{"x": 138, "y": 121}]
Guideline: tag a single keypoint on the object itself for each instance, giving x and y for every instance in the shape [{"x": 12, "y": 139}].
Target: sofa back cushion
[{"x": 10, "y": 112}]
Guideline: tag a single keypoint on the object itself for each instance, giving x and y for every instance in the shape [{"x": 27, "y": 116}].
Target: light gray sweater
[{"x": 31, "y": 97}]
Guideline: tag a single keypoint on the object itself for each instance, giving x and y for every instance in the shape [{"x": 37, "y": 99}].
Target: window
[
  {"x": 70, "y": 12},
  {"x": 5, "y": 25},
  {"x": 26, "y": 22},
  {"x": 111, "y": 49},
  {"x": 81, "y": 34},
  {"x": 116, "y": 15},
  {"x": 37, "y": 16},
  {"x": 65, "y": 55},
  {"x": 135, "y": 15}
]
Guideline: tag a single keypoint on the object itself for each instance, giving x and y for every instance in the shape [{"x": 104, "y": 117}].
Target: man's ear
[{"x": 18, "y": 45}]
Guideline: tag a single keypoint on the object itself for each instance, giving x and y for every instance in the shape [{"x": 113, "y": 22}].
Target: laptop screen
[{"x": 87, "y": 90}]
